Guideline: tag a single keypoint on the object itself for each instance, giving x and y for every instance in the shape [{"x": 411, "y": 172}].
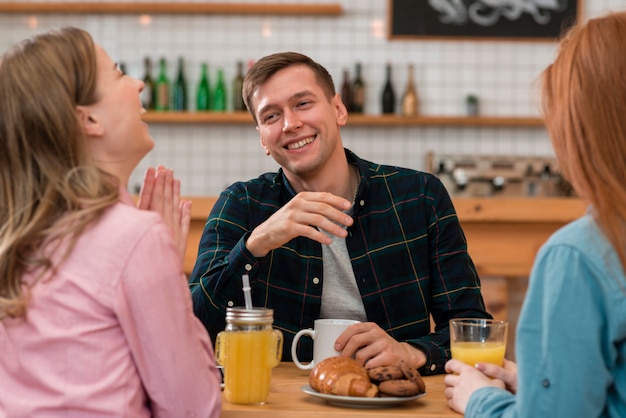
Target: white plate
[{"x": 360, "y": 402}]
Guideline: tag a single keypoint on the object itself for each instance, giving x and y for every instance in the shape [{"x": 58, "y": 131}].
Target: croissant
[{"x": 342, "y": 376}]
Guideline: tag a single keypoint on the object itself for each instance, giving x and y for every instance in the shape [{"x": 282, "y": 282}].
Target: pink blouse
[{"x": 112, "y": 333}]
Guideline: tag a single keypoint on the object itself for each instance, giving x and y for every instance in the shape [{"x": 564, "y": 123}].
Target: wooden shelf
[
  {"x": 214, "y": 118},
  {"x": 490, "y": 121},
  {"x": 173, "y": 8},
  {"x": 235, "y": 118}
]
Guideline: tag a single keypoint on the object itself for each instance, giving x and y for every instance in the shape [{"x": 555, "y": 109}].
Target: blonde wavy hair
[
  {"x": 50, "y": 188},
  {"x": 584, "y": 103}
]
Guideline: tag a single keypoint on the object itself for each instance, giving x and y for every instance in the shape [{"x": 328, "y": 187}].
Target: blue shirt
[
  {"x": 571, "y": 337},
  {"x": 406, "y": 247}
]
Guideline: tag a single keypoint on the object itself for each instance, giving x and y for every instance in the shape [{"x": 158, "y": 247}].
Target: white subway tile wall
[{"x": 207, "y": 158}]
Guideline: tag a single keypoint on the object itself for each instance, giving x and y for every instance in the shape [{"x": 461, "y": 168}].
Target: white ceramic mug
[{"x": 324, "y": 335}]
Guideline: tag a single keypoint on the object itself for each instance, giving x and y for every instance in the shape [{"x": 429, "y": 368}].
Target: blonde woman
[
  {"x": 571, "y": 337},
  {"x": 95, "y": 313}
]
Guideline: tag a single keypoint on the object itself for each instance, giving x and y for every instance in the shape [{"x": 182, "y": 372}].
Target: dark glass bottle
[
  {"x": 346, "y": 91},
  {"x": 388, "y": 99},
  {"x": 148, "y": 92},
  {"x": 203, "y": 95},
  {"x": 162, "y": 102},
  {"x": 358, "y": 91},
  {"x": 180, "y": 88},
  {"x": 219, "y": 95},
  {"x": 546, "y": 181},
  {"x": 238, "y": 104}
]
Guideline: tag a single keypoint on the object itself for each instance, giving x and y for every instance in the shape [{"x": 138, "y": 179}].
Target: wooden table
[{"x": 286, "y": 400}]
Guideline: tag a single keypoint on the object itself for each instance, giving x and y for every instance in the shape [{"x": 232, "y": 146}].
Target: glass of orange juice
[
  {"x": 248, "y": 349},
  {"x": 477, "y": 340}
]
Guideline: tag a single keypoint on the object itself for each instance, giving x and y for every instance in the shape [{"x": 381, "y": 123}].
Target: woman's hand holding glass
[{"x": 464, "y": 379}]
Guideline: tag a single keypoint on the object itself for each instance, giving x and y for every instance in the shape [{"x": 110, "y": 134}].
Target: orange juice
[
  {"x": 248, "y": 358},
  {"x": 473, "y": 352}
]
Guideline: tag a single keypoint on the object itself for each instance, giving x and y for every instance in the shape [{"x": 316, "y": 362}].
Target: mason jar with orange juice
[{"x": 248, "y": 349}]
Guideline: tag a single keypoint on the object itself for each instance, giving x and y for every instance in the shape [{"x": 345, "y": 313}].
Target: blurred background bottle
[
  {"x": 444, "y": 174},
  {"x": 358, "y": 91},
  {"x": 238, "y": 104},
  {"x": 219, "y": 95},
  {"x": 203, "y": 95},
  {"x": 546, "y": 181},
  {"x": 388, "y": 98},
  {"x": 162, "y": 101},
  {"x": 346, "y": 91},
  {"x": 409, "y": 101},
  {"x": 180, "y": 88},
  {"x": 148, "y": 92},
  {"x": 530, "y": 181}
]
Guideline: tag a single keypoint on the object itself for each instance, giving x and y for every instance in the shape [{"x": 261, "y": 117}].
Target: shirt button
[
  {"x": 545, "y": 383},
  {"x": 230, "y": 303},
  {"x": 248, "y": 267},
  {"x": 362, "y": 202},
  {"x": 433, "y": 367},
  {"x": 316, "y": 280}
]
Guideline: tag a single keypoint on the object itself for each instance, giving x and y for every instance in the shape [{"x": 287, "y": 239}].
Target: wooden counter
[
  {"x": 286, "y": 400},
  {"x": 200, "y": 208},
  {"x": 503, "y": 234}
]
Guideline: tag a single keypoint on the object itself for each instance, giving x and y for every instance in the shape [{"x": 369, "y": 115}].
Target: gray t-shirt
[{"x": 341, "y": 298}]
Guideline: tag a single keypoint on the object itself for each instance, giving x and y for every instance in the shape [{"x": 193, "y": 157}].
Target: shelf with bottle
[
  {"x": 244, "y": 118},
  {"x": 352, "y": 92},
  {"x": 84, "y": 7},
  {"x": 164, "y": 93}
]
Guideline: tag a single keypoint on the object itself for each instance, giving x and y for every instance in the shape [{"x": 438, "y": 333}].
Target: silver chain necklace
[{"x": 358, "y": 182}]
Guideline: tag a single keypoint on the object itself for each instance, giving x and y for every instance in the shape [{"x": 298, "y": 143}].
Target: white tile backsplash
[{"x": 209, "y": 157}]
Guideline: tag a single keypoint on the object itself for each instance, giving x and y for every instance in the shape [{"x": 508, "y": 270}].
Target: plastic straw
[{"x": 246, "y": 291}]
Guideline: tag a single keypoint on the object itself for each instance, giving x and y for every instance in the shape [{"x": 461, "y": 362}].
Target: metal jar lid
[{"x": 249, "y": 316}]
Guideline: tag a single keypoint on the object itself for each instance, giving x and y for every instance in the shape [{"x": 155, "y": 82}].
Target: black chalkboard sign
[{"x": 487, "y": 19}]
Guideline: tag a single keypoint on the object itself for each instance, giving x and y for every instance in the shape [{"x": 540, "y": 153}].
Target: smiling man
[{"x": 331, "y": 235}]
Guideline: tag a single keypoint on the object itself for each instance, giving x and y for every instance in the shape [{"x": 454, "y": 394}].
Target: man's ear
[
  {"x": 267, "y": 151},
  {"x": 90, "y": 122},
  {"x": 341, "y": 114}
]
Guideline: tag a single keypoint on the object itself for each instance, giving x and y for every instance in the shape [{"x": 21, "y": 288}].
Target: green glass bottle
[
  {"x": 180, "y": 88},
  {"x": 238, "y": 104},
  {"x": 219, "y": 95},
  {"x": 202, "y": 92},
  {"x": 162, "y": 88}
]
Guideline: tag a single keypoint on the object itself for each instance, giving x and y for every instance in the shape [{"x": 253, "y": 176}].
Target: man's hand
[
  {"x": 301, "y": 217},
  {"x": 371, "y": 346},
  {"x": 160, "y": 193}
]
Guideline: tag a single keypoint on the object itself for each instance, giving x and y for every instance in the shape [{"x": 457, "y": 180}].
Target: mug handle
[{"x": 294, "y": 346}]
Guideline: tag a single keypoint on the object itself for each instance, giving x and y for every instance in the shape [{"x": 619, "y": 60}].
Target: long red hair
[{"x": 584, "y": 104}]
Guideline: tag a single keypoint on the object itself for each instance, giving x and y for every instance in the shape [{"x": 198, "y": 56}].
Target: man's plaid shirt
[{"x": 406, "y": 246}]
